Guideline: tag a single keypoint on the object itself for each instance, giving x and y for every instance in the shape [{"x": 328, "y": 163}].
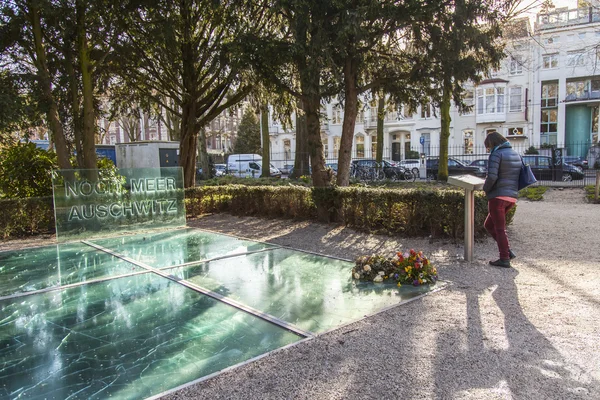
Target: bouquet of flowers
[{"x": 412, "y": 267}]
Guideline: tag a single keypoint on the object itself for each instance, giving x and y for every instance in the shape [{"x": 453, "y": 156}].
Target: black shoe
[
  {"x": 511, "y": 254},
  {"x": 501, "y": 263}
]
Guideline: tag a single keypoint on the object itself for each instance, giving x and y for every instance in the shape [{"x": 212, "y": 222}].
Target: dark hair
[{"x": 494, "y": 139}]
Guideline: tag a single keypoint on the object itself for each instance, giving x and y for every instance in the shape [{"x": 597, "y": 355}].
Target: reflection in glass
[
  {"x": 312, "y": 292},
  {"x": 129, "y": 338},
  {"x": 178, "y": 246},
  {"x": 43, "y": 267}
]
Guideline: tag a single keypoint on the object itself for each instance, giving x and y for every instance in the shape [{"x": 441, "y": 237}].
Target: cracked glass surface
[
  {"x": 127, "y": 338},
  {"x": 312, "y": 292},
  {"x": 44, "y": 267},
  {"x": 178, "y": 246}
]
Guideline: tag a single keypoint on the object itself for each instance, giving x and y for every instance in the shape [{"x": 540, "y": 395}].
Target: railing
[
  {"x": 583, "y": 155},
  {"x": 561, "y": 18}
]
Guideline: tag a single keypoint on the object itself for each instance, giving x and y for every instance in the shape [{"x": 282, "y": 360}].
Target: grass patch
[
  {"x": 533, "y": 193},
  {"x": 590, "y": 193}
]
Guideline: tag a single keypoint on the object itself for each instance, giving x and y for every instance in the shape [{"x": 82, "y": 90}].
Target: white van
[{"x": 248, "y": 166}]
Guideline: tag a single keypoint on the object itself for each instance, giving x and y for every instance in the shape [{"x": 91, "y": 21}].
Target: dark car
[
  {"x": 576, "y": 161},
  {"x": 455, "y": 167},
  {"x": 480, "y": 163},
  {"x": 541, "y": 166}
]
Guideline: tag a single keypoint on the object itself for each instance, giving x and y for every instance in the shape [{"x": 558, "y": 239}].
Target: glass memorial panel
[
  {"x": 178, "y": 246},
  {"x": 91, "y": 203},
  {"x": 312, "y": 292},
  {"x": 39, "y": 268},
  {"x": 129, "y": 338}
]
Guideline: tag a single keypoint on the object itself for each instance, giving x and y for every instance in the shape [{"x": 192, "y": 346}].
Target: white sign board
[{"x": 468, "y": 182}]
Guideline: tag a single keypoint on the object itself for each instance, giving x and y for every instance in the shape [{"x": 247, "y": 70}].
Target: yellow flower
[{"x": 399, "y": 284}]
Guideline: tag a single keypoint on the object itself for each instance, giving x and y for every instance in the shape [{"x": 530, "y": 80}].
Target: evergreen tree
[
  {"x": 248, "y": 134},
  {"x": 461, "y": 45}
]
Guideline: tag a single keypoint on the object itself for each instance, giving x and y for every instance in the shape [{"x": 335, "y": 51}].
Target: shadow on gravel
[{"x": 522, "y": 364}]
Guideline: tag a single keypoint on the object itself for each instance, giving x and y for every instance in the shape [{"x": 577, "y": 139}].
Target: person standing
[{"x": 501, "y": 189}]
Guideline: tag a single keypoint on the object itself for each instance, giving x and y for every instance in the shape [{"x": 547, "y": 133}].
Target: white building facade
[{"x": 547, "y": 92}]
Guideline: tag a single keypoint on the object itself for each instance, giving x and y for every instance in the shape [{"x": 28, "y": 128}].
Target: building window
[
  {"x": 287, "y": 149},
  {"x": 517, "y": 131},
  {"x": 549, "y": 95},
  {"x": 577, "y": 90},
  {"x": 373, "y": 145},
  {"x": 468, "y": 141},
  {"x": 575, "y": 58},
  {"x": 549, "y": 122},
  {"x": 360, "y": 146},
  {"x": 469, "y": 101},
  {"x": 490, "y": 100},
  {"x": 516, "y": 65},
  {"x": 516, "y": 99},
  {"x": 425, "y": 110},
  {"x": 407, "y": 112},
  {"x": 488, "y": 131},
  {"x": 336, "y": 114},
  {"x": 336, "y": 145},
  {"x": 373, "y": 114},
  {"x": 550, "y": 61}
]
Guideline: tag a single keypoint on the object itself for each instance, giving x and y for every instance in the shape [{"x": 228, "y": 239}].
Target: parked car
[
  {"x": 541, "y": 166},
  {"x": 220, "y": 169},
  {"x": 410, "y": 164},
  {"x": 576, "y": 161},
  {"x": 249, "y": 166},
  {"x": 480, "y": 163},
  {"x": 455, "y": 167},
  {"x": 285, "y": 170}
]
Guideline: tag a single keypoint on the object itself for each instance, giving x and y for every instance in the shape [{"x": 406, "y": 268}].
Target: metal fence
[{"x": 568, "y": 165}]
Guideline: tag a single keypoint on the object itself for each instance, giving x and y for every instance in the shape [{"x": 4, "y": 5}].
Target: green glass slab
[
  {"x": 128, "y": 338},
  {"x": 43, "y": 267},
  {"x": 312, "y": 292},
  {"x": 179, "y": 246},
  {"x": 96, "y": 203}
]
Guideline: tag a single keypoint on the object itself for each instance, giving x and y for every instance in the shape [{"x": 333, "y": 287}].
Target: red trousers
[{"x": 495, "y": 224}]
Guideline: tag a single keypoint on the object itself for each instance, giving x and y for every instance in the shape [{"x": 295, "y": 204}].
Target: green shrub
[
  {"x": 590, "y": 193},
  {"x": 26, "y": 216},
  {"x": 25, "y": 171},
  {"x": 405, "y": 212},
  {"x": 533, "y": 193},
  {"x": 532, "y": 150}
]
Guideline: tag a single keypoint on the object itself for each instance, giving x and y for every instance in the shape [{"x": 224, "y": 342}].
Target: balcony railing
[{"x": 562, "y": 18}]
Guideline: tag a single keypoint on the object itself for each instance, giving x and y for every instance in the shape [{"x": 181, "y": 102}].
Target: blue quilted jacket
[{"x": 504, "y": 166}]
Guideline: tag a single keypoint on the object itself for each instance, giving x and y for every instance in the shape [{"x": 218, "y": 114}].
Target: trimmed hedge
[
  {"x": 404, "y": 212},
  {"x": 28, "y": 216}
]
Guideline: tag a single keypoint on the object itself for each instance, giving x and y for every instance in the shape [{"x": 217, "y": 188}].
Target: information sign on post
[{"x": 470, "y": 183}]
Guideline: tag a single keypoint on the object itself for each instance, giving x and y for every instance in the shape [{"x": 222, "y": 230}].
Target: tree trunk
[
  {"x": 56, "y": 128},
  {"x": 301, "y": 160},
  {"x": 266, "y": 144},
  {"x": 207, "y": 172},
  {"x": 188, "y": 146},
  {"x": 444, "y": 132},
  {"x": 320, "y": 175},
  {"x": 380, "y": 120},
  {"x": 349, "y": 123},
  {"x": 75, "y": 106},
  {"x": 89, "y": 119}
]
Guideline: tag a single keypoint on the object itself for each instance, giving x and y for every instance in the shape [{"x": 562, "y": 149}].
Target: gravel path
[{"x": 531, "y": 332}]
